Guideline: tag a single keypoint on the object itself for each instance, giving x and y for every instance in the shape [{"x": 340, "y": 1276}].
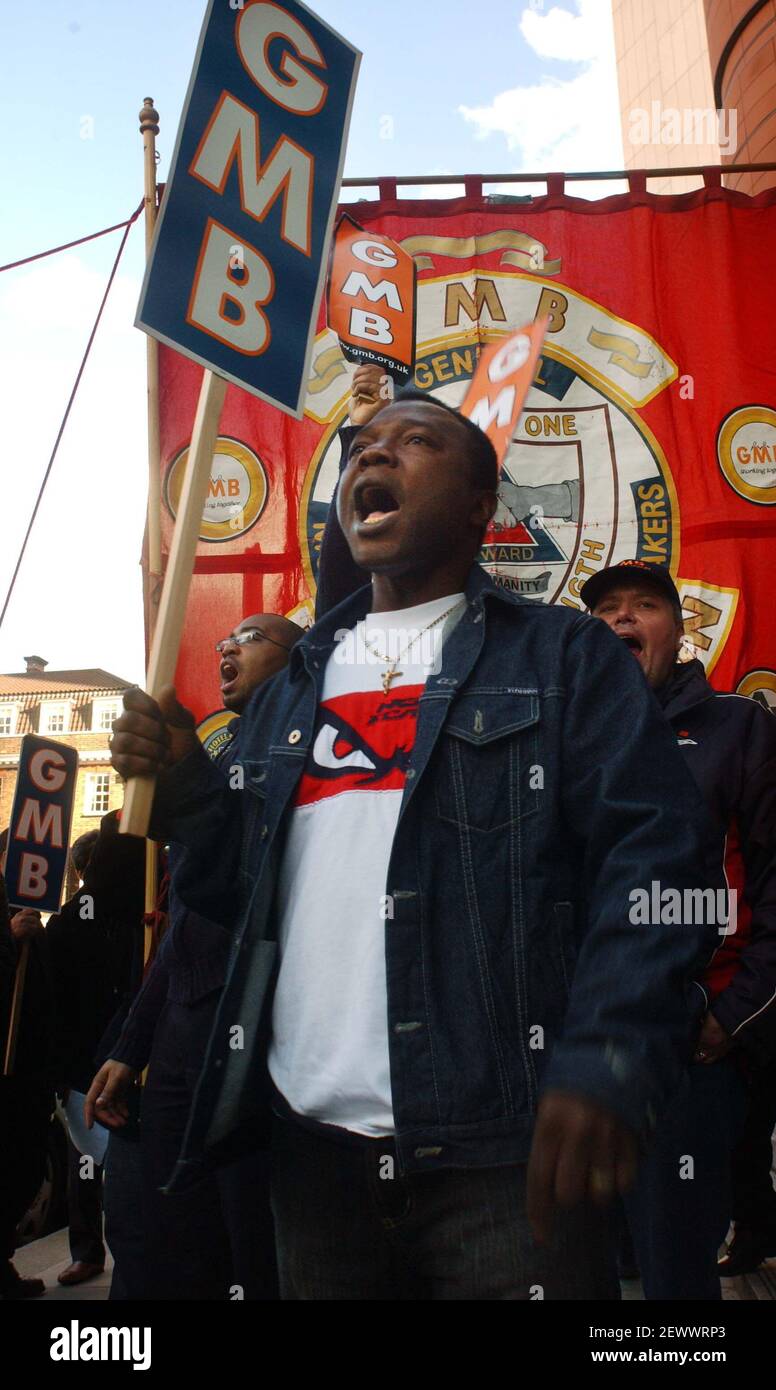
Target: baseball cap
[{"x": 593, "y": 590}]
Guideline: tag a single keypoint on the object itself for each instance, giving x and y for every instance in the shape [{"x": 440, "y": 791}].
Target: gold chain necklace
[{"x": 392, "y": 674}]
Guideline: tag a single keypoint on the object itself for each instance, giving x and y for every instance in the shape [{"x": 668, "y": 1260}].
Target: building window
[
  {"x": 97, "y": 793},
  {"x": 104, "y": 713},
  {"x": 54, "y": 719},
  {"x": 8, "y": 720}
]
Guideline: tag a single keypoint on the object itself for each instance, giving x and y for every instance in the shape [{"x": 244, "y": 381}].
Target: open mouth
[
  {"x": 229, "y": 673},
  {"x": 374, "y": 503},
  {"x": 634, "y": 645}
]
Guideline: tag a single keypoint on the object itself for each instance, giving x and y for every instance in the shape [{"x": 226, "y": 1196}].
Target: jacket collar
[
  {"x": 686, "y": 686},
  {"x": 318, "y": 642}
]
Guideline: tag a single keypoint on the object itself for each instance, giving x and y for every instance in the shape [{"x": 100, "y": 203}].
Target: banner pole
[
  {"x": 149, "y": 129},
  {"x": 139, "y": 794},
  {"x": 16, "y": 1009}
]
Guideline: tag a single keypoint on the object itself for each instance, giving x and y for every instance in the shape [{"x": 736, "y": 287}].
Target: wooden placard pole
[
  {"x": 16, "y": 1009},
  {"x": 172, "y": 607}
]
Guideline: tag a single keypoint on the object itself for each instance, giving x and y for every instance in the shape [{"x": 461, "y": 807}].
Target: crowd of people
[{"x": 469, "y": 984}]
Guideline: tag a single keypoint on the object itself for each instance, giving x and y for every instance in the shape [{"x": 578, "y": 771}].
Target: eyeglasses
[{"x": 241, "y": 639}]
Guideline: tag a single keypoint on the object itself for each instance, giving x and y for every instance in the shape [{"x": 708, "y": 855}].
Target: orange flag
[
  {"x": 500, "y": 384},
  {"x": 372, "y": 299}
]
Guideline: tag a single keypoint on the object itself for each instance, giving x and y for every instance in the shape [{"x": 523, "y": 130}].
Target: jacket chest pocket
[{"x": 489, "y": 772}]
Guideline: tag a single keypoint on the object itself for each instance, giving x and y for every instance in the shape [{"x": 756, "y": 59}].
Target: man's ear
[{"x": 484, "y": 509}]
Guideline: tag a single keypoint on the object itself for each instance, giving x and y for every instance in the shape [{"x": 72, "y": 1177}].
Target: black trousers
[
  {"x": 26, "y": 1103},
  {"x": 679, "y": 1207},
  {"x": 124, "y": 1222},
  {"x": 217, "y": 1241},
  {"x": 754, "y": 1200},
  {"x": 351, "y": 1228},
  {"x": 84, "y": 1208}
]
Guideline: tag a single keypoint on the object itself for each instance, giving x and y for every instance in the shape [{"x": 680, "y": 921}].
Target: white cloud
[
  {"x": 556, "y": 124},
  {"x": 572, "y": 38}
]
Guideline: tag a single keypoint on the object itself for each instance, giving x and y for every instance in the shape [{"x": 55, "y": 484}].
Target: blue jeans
[
  {"x": 349, "y": 1227},
  {"x": 201, "y": 1243},
  {"x": 680, "y": 1209},
  {"x": 124, "y": 1224}
]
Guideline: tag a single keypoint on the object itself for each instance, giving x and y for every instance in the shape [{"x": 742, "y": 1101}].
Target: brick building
[
  {"x": 682, "y": 61},
  {"x": 742, "y": 53},
  {"x": 76, "y": 708}
]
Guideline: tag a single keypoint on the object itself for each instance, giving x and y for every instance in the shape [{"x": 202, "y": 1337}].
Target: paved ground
[
  {"x": 45, "y": 1258},
  {"x": 761, "y": 1285}
]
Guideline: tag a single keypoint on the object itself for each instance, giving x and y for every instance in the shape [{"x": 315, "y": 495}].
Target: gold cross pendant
[{"x": 388, "y": 676}]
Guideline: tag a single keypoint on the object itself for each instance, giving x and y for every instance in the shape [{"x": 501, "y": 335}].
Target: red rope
[{"x": 67, "y": 244}]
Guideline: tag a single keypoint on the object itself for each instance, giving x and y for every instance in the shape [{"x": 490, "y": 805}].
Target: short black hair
[
  {"x": 82, "y": 849},
  {"x": 481, "y": 455}
]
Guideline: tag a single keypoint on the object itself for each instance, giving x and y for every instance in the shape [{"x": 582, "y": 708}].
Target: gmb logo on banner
[
  {"x": 584, "y": 482},
  {"x": 561, "y": 514},
  {"x": 746, "y": 450},
  {"x": 237, "y": 491}
]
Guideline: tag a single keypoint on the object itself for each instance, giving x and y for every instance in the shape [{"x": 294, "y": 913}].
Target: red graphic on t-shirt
[{"x": 361, "y": 742}]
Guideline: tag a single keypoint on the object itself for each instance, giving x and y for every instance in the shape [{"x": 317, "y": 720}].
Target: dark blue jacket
[
  {"x": 544, "y": 787},
  {"x": 729, "y": 745}
]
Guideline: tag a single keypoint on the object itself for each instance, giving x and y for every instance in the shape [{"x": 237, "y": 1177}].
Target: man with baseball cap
[{"x": 682, "y": 1204}]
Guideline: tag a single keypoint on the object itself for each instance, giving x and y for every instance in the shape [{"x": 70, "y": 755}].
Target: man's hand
[
  {"x": 371, "y": 390},
  {"x": 151, "y": 735},
  {"x": 713, "y": 1042},
  {"x": 580, "y": 1152},
  {"x": 26, "y": 924},
  {"x": 106, "y": 1097}
]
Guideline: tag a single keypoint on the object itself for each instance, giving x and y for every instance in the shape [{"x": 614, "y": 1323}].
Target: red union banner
[{"x": 649, "y": 430}]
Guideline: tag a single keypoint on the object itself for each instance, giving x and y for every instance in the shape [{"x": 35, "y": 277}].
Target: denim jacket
[{"x": 544, "y": 786}]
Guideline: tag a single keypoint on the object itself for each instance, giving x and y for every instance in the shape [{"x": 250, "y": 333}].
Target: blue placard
[
  {"x": 39, "y": 832},
  {"x": 241, "y": 241}
]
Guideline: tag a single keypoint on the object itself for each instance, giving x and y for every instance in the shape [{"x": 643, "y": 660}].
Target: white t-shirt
[{"x": 329, "y": 1050}]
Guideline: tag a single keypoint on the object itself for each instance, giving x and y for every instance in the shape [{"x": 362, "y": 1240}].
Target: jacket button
[
  {"x": 294, "y": 736},
  {"x": 264, "y": 832}
]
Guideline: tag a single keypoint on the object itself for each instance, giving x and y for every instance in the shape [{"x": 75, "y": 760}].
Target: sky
[{"x": 527, "y": 87}]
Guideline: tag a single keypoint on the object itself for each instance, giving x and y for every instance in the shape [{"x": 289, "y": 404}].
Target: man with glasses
[
  {"x": 220, "y": 1235},
  {"x": 255, "y": 651}
]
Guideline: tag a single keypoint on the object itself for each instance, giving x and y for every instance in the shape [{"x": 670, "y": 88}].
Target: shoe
[
  {"x": 12, "y": 1286},
  {"x": 79, "y": 1272},
  {"x": 745, "y": 1253}
]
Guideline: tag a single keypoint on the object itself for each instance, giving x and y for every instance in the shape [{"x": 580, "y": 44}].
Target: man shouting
[{"x": 428, "y": 845}]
